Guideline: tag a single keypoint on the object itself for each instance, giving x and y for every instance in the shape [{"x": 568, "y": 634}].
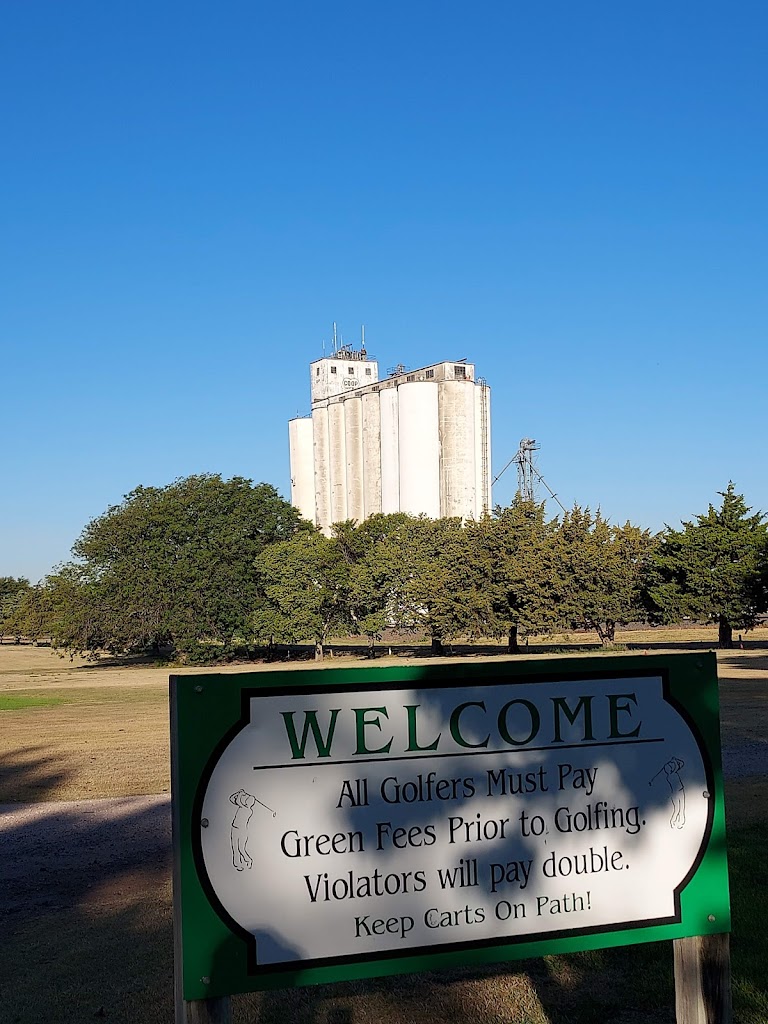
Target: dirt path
[{"x": 57, "y": 854}]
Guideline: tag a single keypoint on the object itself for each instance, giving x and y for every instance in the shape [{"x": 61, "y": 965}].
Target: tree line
[{"x": 207, "y": 568}]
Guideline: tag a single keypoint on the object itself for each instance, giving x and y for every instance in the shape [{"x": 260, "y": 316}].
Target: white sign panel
[{"x": 339, "y": 824}]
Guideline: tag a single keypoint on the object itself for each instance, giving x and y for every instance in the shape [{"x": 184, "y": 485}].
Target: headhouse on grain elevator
[{"x": 416, "y": 441}]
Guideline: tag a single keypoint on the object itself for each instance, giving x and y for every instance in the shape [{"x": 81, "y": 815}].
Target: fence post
[{"x": 703, "y": 979}]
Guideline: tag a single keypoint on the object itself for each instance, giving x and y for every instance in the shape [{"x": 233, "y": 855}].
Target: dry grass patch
[
  {"x": 74, "y": 730},
  {"x": 92, "y": 743},
  {"x": 111, "y": 960},
  {"x": 77, "y": 730}
]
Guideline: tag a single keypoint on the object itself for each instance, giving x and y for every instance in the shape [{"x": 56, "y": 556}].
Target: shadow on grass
[
  {"x": 751, "y": 658},
  {"x": 102, "y": 661},
  {"x": 85, "y": 910},
  {"x": 417, "y": 648},
  {"x": 84, "y": 902},
  {"x": 587, "y": 988},
  {"x": 30, "y": 770}
]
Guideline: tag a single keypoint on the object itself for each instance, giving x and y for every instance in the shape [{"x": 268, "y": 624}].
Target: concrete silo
[
  {"x": 482, "y": 449},
  {"x": 302, "y": 466},
  {"x": 390, "y": 451},
  {"x": 353, "y": 441},
  {"x": 337, "y": 447},
  {"x": 416, "y": 441},
  {"x": 419, "y": 448},
  {"x": 371, "y": 453},
  {"x": 321, "y": 456},
  {"x": 458, "y": 480}
]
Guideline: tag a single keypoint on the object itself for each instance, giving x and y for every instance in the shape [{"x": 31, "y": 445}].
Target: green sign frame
[{"x": 214, "y": 956}]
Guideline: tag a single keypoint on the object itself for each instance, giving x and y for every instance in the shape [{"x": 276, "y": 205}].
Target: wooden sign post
[{"x": 703, "y": 979}]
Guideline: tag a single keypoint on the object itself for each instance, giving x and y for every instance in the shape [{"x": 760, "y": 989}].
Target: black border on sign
[{"x": 255, "y": 969}]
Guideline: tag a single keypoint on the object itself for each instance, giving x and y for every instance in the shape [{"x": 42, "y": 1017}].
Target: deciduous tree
[
  {"x": 13, "y": 590},
  {"x": 426, "y": 569},
  {"x": 304, "y": 591},
  {"x": 370, "y": 589},
  {"x": 170, "y": 566}
]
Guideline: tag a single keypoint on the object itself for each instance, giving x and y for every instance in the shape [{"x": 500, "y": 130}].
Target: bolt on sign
[{"x": 336, "y": 824}]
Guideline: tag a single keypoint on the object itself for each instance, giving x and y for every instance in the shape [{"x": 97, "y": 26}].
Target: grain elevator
[{"x": 416, "y": 441}]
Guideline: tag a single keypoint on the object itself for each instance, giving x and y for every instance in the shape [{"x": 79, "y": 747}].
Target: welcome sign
[{"x": 345, "y": 823}]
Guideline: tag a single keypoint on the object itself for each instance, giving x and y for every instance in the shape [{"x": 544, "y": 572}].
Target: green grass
[
  {"x": 749, "y": 907},
  {"x": 19, "y": 702}
]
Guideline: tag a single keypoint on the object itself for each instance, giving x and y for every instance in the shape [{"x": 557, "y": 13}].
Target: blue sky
[{"x": 572, "y": 196}]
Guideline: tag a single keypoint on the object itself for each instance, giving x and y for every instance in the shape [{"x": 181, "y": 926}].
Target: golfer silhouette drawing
[
  {"x": 676, "y": 790},
  {"x": 245, "y": 803}
]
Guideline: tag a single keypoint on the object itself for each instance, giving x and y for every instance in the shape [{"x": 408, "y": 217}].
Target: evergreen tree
[
  {"x": 514, "y": 577},
  {"x": 714, "y": 569},
  {"x": 598, "y": 571}
]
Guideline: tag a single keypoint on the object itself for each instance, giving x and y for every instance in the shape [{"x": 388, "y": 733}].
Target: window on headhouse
[
  {"x": 367, "y": 371},
  {"x": 317, "y": 372},
  {"x": 350, "y": 370},
  {"x": 333, "y": 369},
  {"x": 460, "y": 372}
]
